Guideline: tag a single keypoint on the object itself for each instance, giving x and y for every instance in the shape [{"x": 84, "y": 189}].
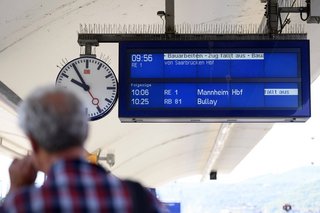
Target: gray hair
[{"x": 55, "y": 118}]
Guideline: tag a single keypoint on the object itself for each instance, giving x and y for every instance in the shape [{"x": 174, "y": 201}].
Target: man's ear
[{"x": 34, "y": 144}]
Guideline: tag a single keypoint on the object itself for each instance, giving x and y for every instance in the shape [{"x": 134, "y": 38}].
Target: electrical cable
[{"x": 304, "y": 19}]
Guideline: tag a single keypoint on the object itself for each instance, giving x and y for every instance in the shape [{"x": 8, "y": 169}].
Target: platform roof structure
[{"x": 37, "y": 38}]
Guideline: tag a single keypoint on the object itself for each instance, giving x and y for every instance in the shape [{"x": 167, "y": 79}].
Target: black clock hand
[{"x": 85, "y": 86}]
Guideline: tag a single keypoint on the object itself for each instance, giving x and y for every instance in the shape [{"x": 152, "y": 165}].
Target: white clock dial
[{"x": 94, "y": 81}]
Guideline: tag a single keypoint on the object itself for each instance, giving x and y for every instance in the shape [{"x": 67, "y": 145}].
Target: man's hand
[{"x": 22, "y": 173}]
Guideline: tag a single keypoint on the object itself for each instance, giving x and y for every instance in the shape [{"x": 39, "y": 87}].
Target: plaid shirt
[{"x": 78, "y": 186}]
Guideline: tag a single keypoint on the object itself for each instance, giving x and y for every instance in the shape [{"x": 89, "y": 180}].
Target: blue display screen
[
  {"x": 214, "y": 65},
  {"x": 215, "y": 79},
  {"x": 214, "y": 95}
]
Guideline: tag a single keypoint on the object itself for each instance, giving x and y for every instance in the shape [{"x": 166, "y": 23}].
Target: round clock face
[{"x": 94, "y": 81}]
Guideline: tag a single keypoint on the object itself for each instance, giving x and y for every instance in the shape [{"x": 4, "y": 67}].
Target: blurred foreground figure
[{"x": 56, "y": 124}]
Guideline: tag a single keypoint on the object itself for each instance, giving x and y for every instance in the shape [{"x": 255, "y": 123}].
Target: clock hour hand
[{"x": 85, "y": 86}]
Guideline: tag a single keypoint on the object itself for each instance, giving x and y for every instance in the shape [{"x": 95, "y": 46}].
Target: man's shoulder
[
  {"x": 76, "y": 166},
  {"x": 142, "y": 198}
]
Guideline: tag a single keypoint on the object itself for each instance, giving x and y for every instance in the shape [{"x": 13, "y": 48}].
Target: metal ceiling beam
[
  {"x": 114, "y": 38},
  {"x": 8, "y": 96}
]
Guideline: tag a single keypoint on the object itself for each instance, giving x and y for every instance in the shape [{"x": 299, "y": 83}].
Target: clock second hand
[{"x": 95, "y": 101}]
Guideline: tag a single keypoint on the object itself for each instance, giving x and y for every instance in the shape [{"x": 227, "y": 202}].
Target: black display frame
[{"x": 127, "y": 114}]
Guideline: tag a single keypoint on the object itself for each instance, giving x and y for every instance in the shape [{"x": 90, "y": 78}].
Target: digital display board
[{"x": 214, "y": 81}]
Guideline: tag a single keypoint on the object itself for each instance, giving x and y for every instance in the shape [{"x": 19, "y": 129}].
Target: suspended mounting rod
[{"x": 170, "y": 28}]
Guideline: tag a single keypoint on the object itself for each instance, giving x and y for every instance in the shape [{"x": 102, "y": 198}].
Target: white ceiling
[{"x": 36, "y": 35}]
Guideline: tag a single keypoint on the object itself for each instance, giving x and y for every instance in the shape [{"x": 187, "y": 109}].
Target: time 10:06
[
  {"x": 139, "y": 92},
  {"x": 141, "y": 58}
]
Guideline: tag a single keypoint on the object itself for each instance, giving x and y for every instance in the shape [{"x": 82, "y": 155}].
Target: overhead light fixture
[{"x": 216, "y": 149}]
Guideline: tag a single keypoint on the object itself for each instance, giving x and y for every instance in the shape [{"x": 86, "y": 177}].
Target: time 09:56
[{"x": 141, "y": 58}]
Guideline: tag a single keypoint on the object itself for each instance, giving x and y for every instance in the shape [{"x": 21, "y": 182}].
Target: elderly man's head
[{"x": 55, "y": 118}]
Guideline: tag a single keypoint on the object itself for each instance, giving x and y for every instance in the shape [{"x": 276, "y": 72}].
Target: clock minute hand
[{"x": 84, "y": 85}]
